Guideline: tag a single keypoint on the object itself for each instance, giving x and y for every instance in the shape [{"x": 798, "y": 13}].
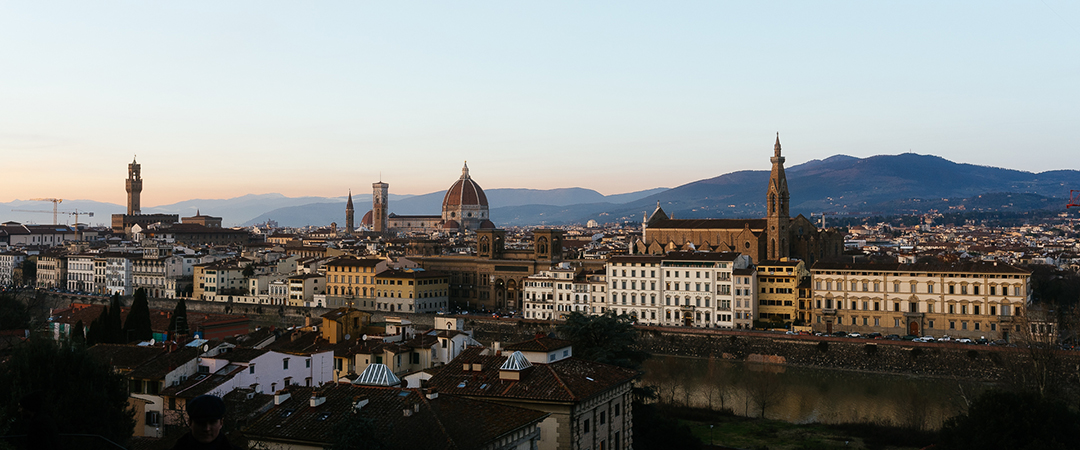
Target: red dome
[
  {"x": 451, "y": 224},
  {"x": 367, "y": 219},
  {"x": 465, "y": 192},
  {"x": 487, "y": 224}
]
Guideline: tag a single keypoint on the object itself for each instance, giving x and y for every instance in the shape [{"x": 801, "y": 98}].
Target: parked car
[
  {"x": 840, "y": 334},
  {"x": 854, "y": 335},
  {"x": 928, "y": 339},
  {"x": 909, "y": 337},
  {"x": 874, "y": 335},
  {"x": 965, "y": 341},
  {"x": 893, "y": 337}
]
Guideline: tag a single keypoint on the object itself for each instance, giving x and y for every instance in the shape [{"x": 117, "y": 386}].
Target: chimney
[
  {"x": 281, "y": 396},
  {"x": 360, "y": 402},
  {"x": 317, "y": 398}
]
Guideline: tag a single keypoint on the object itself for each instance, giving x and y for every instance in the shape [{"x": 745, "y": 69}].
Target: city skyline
[{"x": 222, "y": 100}]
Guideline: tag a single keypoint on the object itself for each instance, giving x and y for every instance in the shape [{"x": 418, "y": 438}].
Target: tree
[
  {"x": 1007, "y": 420},
  {"x": 82, "y": 394},
  {"x": 78, "y": 336},
  {"x": 29, "y": 272},
  {"x": 249, "y": 270},
  {"x": 137, "y": 326},
  {"x": 13, "y": 313},
  {"x": 97, "y": 333},
  {"x": 606, "y": 338},
  {"x": 114, "y": 327},
  {"x": 178, "y": 324},
  {"x": 653, "y": 429}
]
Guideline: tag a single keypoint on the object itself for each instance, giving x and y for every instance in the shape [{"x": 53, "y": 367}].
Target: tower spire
[
  {"x": 465, "y": 170},
  {"x": 777, "y": 213}
]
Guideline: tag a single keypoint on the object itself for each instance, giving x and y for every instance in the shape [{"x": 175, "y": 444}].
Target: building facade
[
  {"x": 972, "y": 299},
  {"x": 776, "y": 236}
]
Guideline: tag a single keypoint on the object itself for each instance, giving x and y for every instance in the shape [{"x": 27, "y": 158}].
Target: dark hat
[{"x": 206, "y": 408}]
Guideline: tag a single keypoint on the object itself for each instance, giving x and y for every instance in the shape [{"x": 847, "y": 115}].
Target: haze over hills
[{"x": 885, "y": 184}]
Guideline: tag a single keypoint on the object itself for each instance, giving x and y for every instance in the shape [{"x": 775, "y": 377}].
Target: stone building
[
  {"x": 122, "y": 223},
  {"x": 776, "y": 236},
  {"x": 464, "y": 209},
  {"x": 970, "y": 299}
]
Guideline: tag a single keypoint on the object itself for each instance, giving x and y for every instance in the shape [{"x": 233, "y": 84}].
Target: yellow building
[
  {"x": 412, "y": 290},
  {"x": 351, "y": 282},
  {"x": 778, "y": 291},
  {"x": 972, "y": 299}
]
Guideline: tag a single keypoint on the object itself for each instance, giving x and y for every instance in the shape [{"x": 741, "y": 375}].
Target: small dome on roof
[
  {"x": 451, "y": 224},
  {"x": 487, "y": 224}
]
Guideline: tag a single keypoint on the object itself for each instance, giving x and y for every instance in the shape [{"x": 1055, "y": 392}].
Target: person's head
[{"x": 205, "y": 414}]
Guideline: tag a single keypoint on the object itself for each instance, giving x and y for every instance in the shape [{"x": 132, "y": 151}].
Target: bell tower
[
  {"x": 349, "y": 215},
  {"x": 134, "y": 188},
  {"x": 379, "y": 207},
  {"x": 777, "y": 214}
]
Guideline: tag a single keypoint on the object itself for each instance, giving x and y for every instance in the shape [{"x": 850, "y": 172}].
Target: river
[{"x": 804, "y": 395}]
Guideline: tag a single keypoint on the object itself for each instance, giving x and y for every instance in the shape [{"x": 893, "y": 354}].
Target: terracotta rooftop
[
  {"x": 567, "y": 380},
  {"x": 445, "y": 422}
]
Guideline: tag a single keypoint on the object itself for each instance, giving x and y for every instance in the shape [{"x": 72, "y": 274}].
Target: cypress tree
[
  {"x": 114, "y": 327},
  {"x": 97, "y": 333},
  {"x": 137, "y": 326},
  {"x": 78, "y": 337},
  {"x": 178, "y": 323}
]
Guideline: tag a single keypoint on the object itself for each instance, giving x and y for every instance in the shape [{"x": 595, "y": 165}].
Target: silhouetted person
[
  {"x": 206, "y": 414},
  {"x": 41, "y": 431}
]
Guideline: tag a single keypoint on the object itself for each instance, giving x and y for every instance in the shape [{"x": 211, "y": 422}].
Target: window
[
  {"x": 616, "y": 410},
  {"x": 585, "y": 426},
  {"x": 251, "y": 369},
  {"x": 603, "y": 417}
]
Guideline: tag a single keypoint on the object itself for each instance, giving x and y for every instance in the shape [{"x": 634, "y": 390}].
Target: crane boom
[{"x": 55, "y": 203}]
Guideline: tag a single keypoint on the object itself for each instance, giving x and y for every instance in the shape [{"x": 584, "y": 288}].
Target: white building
[
  {"x": 745, "y": 308},
  {"x": 555, "y": 293},
  {"x": 697, "y": 288},
  {"x": 81, "y": 272},
  {"x": 8, "y": 262},
  {"x": 119, "y": 273}
]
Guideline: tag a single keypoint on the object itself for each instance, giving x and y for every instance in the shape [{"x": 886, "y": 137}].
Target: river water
[{"x": 804, "y": 395}]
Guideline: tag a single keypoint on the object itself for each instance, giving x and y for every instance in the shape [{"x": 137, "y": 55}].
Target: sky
[{"x": 221, "y": 99}]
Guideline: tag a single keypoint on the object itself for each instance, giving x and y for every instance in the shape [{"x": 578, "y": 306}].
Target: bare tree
[{"x": 766, "y": 390}]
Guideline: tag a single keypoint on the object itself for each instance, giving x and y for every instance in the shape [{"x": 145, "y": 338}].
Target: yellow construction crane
[
  {"x": 55, "y": 203},
  {"x": 75, "y": 213}
]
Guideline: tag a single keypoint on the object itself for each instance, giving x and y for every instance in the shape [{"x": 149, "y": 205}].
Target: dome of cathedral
[
  {"x": 451, "y": 224},
  {"x": 487, "y": 224},
  {"x": 464, "y": 192},
  {"x": 367, "y": 219}
]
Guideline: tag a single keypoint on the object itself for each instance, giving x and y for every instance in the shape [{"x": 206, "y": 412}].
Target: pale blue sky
[{"x": 219, "y": 99}]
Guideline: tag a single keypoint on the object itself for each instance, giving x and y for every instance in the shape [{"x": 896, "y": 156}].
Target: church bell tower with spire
[
  {"x": 777, "y": 214},
  {"x": 349, "y": 215}
]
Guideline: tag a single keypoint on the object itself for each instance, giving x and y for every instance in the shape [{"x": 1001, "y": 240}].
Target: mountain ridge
[{"x": 880, "y": 184}]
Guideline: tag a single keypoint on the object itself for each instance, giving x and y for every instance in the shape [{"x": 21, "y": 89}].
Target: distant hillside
[
  {"x": 574, "y": 202},
  {"x": 887, "y": 184}
]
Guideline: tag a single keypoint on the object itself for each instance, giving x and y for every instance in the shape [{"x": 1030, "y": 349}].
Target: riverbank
[{"x": 727, "y": 431}]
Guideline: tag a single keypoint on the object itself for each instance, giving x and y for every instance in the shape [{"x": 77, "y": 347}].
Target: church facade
[
  {"x": 772, "y": 238},
  {"x": 464, "y": 209}
]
